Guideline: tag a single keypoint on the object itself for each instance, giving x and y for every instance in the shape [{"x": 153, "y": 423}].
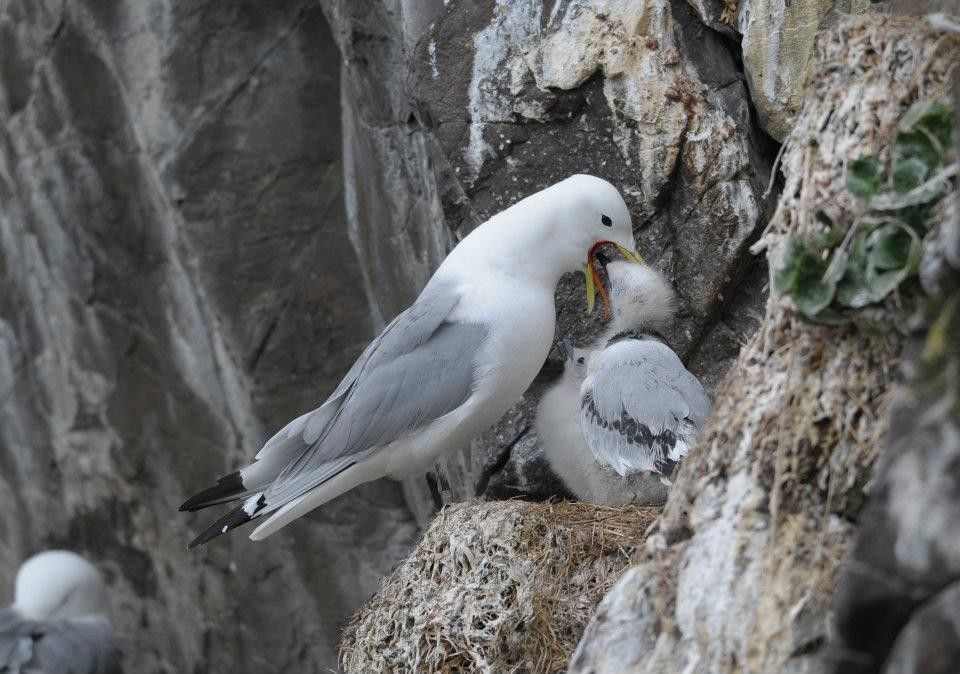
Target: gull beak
[
  {"x": 566, "y": 349},
  {"x": 588, "y": 273},
  {"x": 631, "y": 256},
  {"x": 592, "y": 278}
]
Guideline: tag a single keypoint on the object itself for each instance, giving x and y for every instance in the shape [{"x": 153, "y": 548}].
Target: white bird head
[
  {"x": 641, "y": 297},
  {"x": 59, "y": 584},
  {"x": 552, "y": 232},
  {"x": 575, "y": 361}
]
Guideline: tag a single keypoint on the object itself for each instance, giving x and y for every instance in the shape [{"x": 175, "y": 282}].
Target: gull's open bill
[{"x": 592, "y": 278}]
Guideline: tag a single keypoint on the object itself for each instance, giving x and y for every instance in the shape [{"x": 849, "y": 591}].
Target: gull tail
[
  {"x": 228, "y": 488},
  {"x": 348, "y": 478},
  {"x": 237, "y": 517},
  {"x": 283, "y": 512}
]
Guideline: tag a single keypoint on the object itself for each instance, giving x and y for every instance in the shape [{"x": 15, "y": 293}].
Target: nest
[{"x": 495, "y": 587}]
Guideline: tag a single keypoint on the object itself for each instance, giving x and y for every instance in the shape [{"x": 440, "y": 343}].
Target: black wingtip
[
  {"x": 227, "y": 488},
  {"x": 233, "y": 519}
]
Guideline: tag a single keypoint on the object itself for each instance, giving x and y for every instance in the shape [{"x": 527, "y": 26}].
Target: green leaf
[
  {"x": 908, "y": 174},
  {"x": 934, "y": 117},
  {"x": 832, "y": 234},
  {"x": 801, "y": 276},
  {"x": 890, "y": 246},
  {"x": 916, "y": 145},
  {"x": 831, "y": 316},
  {"x": 929, "y": 192},
  {"x": 863, "y": 176},
  {"x": 853, "y": 290},
  {"x": 882, "y": 283},
  {"x": 916, "y": 112},
  {"x": 785, "y": 278},
  {"x": 893, "y": 255},
  {"x": 813, "y": 295}
]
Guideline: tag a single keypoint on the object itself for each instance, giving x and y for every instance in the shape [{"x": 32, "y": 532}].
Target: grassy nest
[{"x": 495, "y": 587}]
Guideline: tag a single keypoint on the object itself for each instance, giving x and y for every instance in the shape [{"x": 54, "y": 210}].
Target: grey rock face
[
  {"x": 454, "y": 111},
  {"x": 907, "y": 550},
  {"x": 777, "y": 39},
  {"x": 175, "y": 285},
  {"x": 930, "y": 643}
]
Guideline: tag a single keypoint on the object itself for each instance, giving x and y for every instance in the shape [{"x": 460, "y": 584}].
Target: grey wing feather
[
  {"x": 640, "y": 409},
  {"x": 16, "y": 642},
  {"x": 75, "y": 646},
  {"x": 421, "y": 367}
]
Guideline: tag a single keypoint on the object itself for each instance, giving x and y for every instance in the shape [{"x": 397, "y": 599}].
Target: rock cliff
[{"x": 175, "y": 283}]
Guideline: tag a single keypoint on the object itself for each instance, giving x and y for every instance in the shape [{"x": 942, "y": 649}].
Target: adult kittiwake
[
  {"x": 443, "y": 370},
  {"x": 58, "y": 624},
  {"x": 641, "y": 299},
  {"x": 640, "y": 409}
]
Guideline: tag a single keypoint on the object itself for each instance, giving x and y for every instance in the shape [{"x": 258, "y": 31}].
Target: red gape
[{"x": 596, "y": 276}]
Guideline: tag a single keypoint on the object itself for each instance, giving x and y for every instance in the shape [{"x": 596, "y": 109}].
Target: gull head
[
  {"x": 557, "y": 230},
  {"x": 574, "y": 361},
  {"x": 590, "y": 214},
  {"x": 59, "y": 584},
  {"x": 641, "y": 297}
]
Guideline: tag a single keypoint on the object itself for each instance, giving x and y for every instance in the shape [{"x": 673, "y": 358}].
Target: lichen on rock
[{"x": 495, "y": 587}]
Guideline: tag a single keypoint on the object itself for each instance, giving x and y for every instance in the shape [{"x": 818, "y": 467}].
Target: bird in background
[
  {"x": 606, "y": 425},
  {"x": 443, "y": 370},
  {"x": 57, "y": 623}
]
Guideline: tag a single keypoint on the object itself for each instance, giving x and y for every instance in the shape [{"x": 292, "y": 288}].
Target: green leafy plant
[{"x": 848, "y": 270}]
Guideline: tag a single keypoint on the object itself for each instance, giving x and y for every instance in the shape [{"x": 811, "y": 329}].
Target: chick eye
[
  {"x": 580, "y": 360},
  {"x": 607, "y": 222}
]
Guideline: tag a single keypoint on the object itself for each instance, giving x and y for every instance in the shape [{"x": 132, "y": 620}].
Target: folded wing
[
  {"x": 74, "y": 646},
  {"x": 640, "y": 409},
  {"x": 420, "y": 368}
]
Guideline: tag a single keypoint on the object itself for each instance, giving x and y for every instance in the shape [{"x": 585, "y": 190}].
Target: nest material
[{"x": 495, "y": 587}]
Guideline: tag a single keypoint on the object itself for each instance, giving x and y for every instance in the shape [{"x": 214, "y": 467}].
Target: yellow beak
[
  {"x": 591, "y": 291},
  {"x": 591, "y": 280},
  {"x": 632, "y": 257}
]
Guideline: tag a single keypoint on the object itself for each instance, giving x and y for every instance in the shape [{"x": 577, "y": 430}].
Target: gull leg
[{"x": 443, "y": 482}]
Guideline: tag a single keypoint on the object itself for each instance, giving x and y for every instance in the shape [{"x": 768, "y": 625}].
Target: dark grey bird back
[{"x": 71, "y": 646}]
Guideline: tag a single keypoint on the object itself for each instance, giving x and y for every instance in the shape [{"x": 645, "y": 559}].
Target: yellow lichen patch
[
  {"x": 495, "y": 587},
  {"x": 729, "y": 11}
]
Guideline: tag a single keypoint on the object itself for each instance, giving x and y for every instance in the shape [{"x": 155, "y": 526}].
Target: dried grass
[{"x": 495, "y": 587}]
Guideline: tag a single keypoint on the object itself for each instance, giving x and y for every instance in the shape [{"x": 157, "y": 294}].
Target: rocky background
[
  {"x": 206, "y": 210},
  {"x": 176, "y": 284}
]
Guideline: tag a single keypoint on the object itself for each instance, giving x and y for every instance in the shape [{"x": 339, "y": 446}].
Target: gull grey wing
[
  {"x": 16, "y": 642},
  {"x": 420, "y": 368},
  {"x": 76, "y": 646},
  {"x": 640, "y": 409},
  {"x": 428, "y": 312}
]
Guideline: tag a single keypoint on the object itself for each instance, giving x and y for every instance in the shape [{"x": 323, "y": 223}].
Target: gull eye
[
  {"x": 580, "y": 360},
  {"x": 607, "y": 222}
]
